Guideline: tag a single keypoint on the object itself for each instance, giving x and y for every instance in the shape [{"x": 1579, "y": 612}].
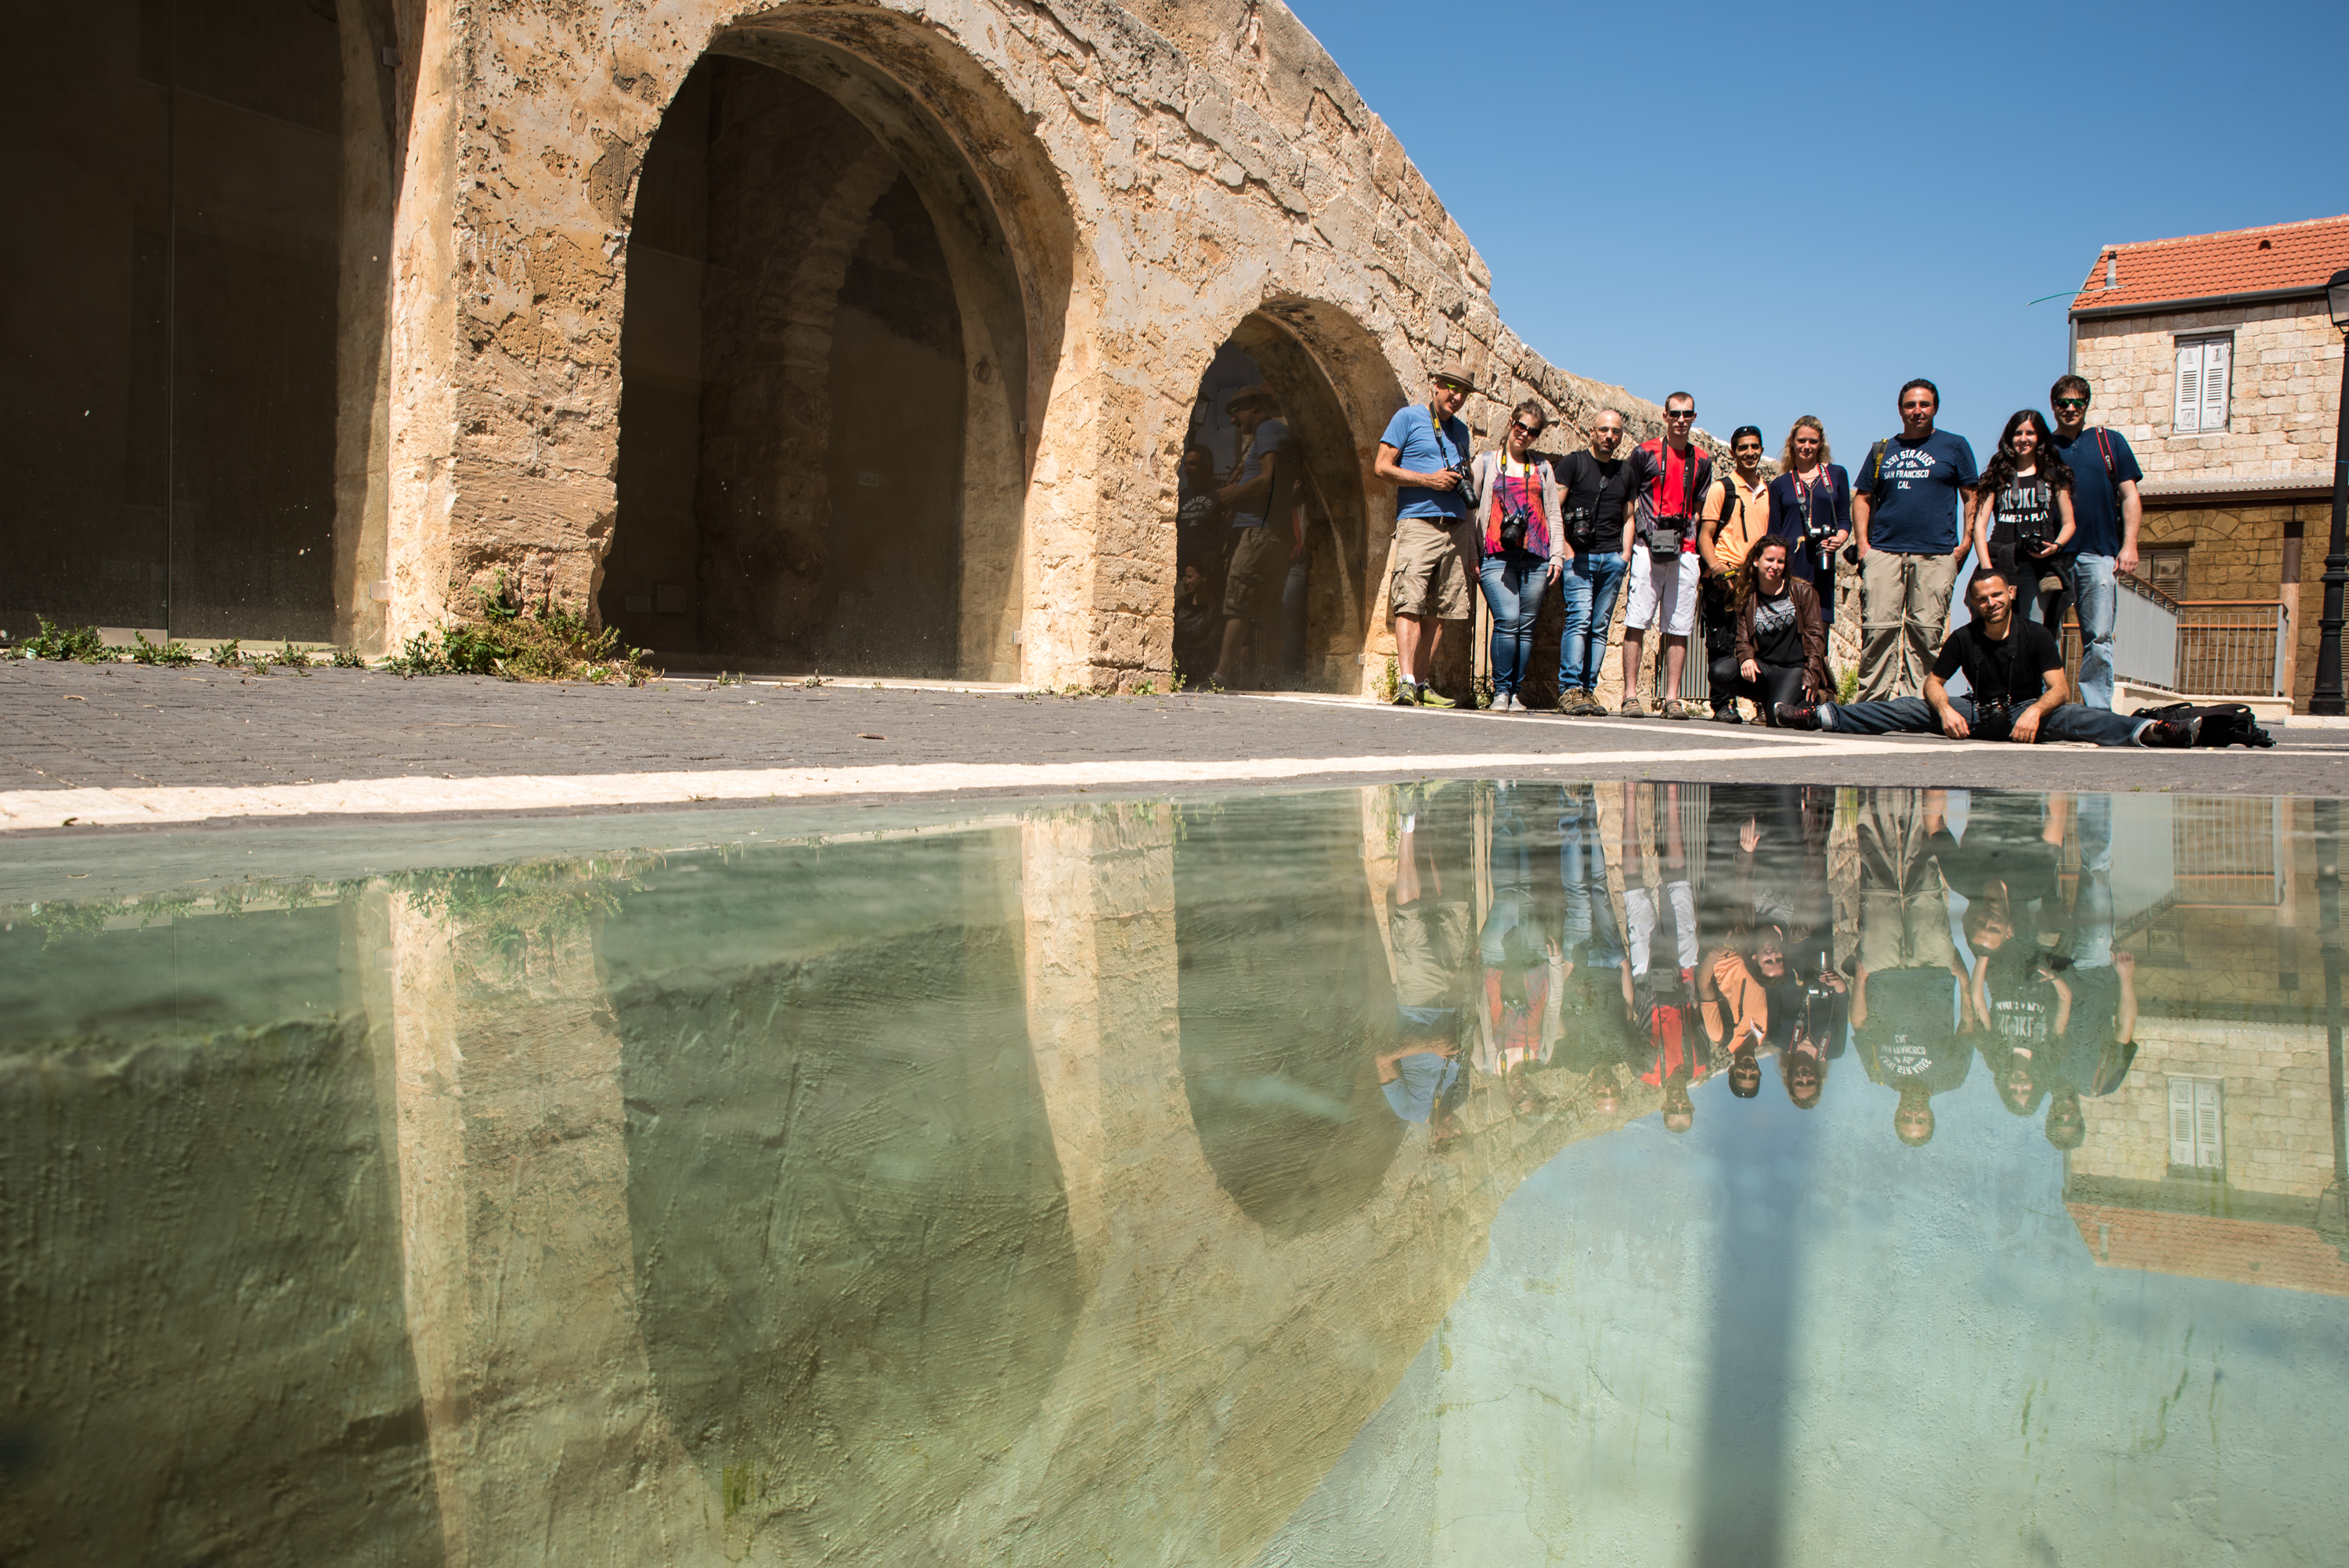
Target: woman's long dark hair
[
  {"x": 2000, "y": 472},
  {"x": 1749, "y": 587}
]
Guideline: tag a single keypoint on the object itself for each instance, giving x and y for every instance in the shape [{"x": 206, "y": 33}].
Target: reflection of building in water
[{"x": 2210, "y": 1156}]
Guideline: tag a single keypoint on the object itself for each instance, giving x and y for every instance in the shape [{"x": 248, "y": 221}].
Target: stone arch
[
  {"x": 1337, "y": 390},
  {"x": 877, "y": 339}
]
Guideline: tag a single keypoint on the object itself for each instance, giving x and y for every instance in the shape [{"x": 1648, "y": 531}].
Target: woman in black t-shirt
[
  {"x": 2026, "y": 493},
  {"x": 1782, "y": 638}
]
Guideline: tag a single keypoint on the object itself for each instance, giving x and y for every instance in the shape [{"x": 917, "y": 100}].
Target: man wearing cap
[
  {"x": 1255, "y": 495},
  {"x": 1423, "y": 454}
]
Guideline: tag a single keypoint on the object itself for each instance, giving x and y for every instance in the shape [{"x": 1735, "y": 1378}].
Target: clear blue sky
[{"x": 1834, "y": 197}]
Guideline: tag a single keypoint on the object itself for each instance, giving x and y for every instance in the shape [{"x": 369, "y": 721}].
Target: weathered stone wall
[
  {"x": 1154, "y": 177},
  {"x": 2284, "y": 400}
]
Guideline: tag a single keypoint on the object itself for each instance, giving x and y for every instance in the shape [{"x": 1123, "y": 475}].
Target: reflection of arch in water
[
  {"x": 853, "y": 1259},
  {"x": 1283, "y": 989},
  {"x": 835, "y": 327},
  {"x": 1336, "y": 392}
]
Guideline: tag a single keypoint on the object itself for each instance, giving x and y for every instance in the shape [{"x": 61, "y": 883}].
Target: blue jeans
[
  {"x": 1591, "y": 581},
  {"x": 2097, "y": 600},
  {"x": 1914, "y": 716},
  {"x": 1513, "y": 587}
]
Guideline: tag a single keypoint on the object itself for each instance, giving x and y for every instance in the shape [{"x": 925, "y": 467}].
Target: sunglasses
[
  {"x": 1680, "y": 413},
  {"x": 1527, "y": 431},
  {"x": 2071, "y": 402}
]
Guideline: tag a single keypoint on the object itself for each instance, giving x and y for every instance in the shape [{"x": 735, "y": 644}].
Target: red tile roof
[
  {"x": 2242, "y": 261},
  {"x": 2207, "y": 1246}
]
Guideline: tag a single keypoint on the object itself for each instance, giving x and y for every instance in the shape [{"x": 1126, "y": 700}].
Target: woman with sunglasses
[{"x": 1514, "y": 500}]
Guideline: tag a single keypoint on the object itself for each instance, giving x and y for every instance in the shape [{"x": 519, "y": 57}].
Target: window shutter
[
  {"x": 2187, "y": 418},
  {"x": 2181, "y": 1122},
  {"x": 2206, "y": 1152},
  {"x": 2218, "y": 355}
]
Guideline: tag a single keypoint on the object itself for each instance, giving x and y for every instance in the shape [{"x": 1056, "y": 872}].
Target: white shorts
[{"x": 1677, "y": 590}]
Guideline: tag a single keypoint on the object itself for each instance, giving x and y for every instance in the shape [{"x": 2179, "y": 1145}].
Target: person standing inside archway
[
  {"x": 1905, "y": 510},
  {"x": 1256, "y": 500},
  {"x": 1424, "y": 455}
]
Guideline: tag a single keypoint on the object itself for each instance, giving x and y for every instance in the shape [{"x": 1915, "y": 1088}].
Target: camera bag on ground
[{"x": 2223, "y": 723}]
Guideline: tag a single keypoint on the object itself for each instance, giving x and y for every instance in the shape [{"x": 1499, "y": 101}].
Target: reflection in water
[{"x": 1213, "y": 1182}]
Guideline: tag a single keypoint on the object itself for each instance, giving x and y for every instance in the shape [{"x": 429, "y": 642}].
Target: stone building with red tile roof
[{"x": 2214, "y": 355}]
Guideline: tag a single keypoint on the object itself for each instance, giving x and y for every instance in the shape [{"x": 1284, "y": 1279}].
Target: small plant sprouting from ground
[
  {"x": 348, "y": 659},
  {"x": 290, "y": 657},
  {"x": 82, "y": 644},
  {"x": 726, "y": 678},
  {"x": 521, "y": 641},
  {"x": 171, "y": 652},
  {"x": 1847, "y": 684},
  {"x": 229, "y": 654},
  {"x": 812, "y": 682},
  {"x": 1389, "y": 683},
  {"x": 1147, "y": 688}
]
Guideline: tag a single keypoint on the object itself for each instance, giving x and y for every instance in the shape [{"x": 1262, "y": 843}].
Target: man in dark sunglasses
[{"x": 2107, "y": 512}]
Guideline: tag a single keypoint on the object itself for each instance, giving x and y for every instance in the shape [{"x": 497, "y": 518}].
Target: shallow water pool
[{"x": 1440, "y": 1174}]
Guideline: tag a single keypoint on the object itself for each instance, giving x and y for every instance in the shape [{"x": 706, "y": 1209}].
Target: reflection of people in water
[
  {"x": 1736, "y": 1015},
  {"x": 2005, "y": 869},
  {"x": 1524, "y": 969},
  {"x": 1905, "y": 997},
  {"x": 1594, "y": 1039},
  {"x": 2097, "y": 1047},
  {"x": 1659, "y": 986},
  {"x": 1427, "y": 922}
]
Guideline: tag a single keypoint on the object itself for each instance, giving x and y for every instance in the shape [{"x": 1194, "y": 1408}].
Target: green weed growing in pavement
[
  {"x": 1389, "y": 683},
  {"x": 229, "y": 654},
  {"x": 172, "y": 652},
  {"x": 1848, "y": 685},
  {"x": 348, "y": 659},
  {"x": 811, "y": 682},
  {"x": 521, "y": 641},
  {"x": 1147, "y": 688},
  {"x": 726, "y": 678},
  {"x": 289, "y": 657},
  {"x": 82, "y": 644}
]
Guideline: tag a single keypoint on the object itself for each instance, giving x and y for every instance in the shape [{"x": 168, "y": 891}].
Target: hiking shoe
[
  {"x": 1727, "y": 714},
  {"x": 1430, "y": 697},
  {"x": 1587, "y": 705},
  {"x": 1678, "y": 709},
  {"x": 2170, "y": 734},
  {"x": 1797, "y": 716},
  {"x": 1406, "y": 694},
  {"x": 1633, "y": 708}
]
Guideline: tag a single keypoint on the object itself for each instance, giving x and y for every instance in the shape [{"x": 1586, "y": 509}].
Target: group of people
[
  {"x": 1720, "y": 955},
  {"x": 1749, "y": 560}
]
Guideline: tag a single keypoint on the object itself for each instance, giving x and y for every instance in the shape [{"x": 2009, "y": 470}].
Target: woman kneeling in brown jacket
[{"x": 1782, "y": 638}]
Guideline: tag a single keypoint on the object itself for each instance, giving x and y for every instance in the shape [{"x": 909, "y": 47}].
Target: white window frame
[
  {"x": 2202, "y": 400},
  {"x": 2198, "y": 1126}
]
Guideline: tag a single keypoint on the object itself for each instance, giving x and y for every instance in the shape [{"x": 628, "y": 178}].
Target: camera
[
  {"x": 1992, "y": 720},
  {"x": 2034, "y": 531},
  {"x": 1513, "y": 523},
  {"x": 1580, "y": 525},
  {"x": 1664, "y": 536}
]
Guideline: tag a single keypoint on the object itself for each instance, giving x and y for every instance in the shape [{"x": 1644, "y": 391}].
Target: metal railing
[{"x": 2216, "y": 647}]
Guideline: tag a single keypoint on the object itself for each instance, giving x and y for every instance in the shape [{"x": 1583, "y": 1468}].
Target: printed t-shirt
[
  {"x": 2096, "y": 494},
  {"x": 2015, "y": 667},
  {"x": 2022, "y": 506},
  {"x": 1422, "y": 448},
  {"x": 1914, "y": 509},
  {"x": 1604, "y": 488},
  {"x": 2023, "y": 1001},
  {"x": 1777, "y": 640},
  {"x": 1910, "y": 1035},
  {"x": 1271, "y": 437}
]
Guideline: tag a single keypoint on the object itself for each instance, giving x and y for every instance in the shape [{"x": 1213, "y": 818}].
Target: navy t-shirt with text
[
  {"x": 1913, "y": 505},
  {"x": 2095, "y": 494}
]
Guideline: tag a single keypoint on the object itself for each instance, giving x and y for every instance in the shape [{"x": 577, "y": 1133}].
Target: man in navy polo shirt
[
  {"x": 1906, "y": 504},
  {"x": 2106, "y": 514}
]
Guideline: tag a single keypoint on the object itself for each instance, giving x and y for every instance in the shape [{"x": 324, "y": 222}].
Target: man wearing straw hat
[
  {"x": 1424, "y": 455},
  {"x": 1256, "y": 500}
]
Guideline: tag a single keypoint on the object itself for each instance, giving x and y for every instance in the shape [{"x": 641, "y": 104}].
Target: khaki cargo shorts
[
  {"x": 1431, "y": 569},
  {"x": 1259, "y": 568}
]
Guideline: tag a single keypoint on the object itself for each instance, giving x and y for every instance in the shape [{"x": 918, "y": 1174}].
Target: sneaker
[
  {"x": 1581, "y": 704},
  {"x": 2170, "y": 734},
  {"x": 1430, "y": 697},
  {"x": 1507, "y": 703},
  {"x": 1406, "y": 694},
  {"x": 1633, "y": 708},
  {"x": 1797, "y": 716},
  {"x": 1727, "y": 714}
]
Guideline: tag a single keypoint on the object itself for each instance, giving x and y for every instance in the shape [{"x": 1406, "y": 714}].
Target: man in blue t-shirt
[
  {"x": 2105, "y": 513},
  {"x": 1423, "y": 454},
  {"x": 1906, "y": 505}
]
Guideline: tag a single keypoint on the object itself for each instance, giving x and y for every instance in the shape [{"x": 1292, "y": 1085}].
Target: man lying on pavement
[{"x": 2015, "y": 672}]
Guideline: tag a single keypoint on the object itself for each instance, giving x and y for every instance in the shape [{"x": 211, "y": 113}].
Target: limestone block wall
[
  {"x": 2284, "y": 403},
  {"x": 2275, "y": 1106},
  {"x": 1153, "y": 176}
]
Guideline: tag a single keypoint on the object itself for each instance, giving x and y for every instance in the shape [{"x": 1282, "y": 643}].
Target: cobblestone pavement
[{"x": 121, "y": 727}]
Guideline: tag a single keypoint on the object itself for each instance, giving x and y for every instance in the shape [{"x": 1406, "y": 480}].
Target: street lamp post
[{"x": 2327, "y": 697}]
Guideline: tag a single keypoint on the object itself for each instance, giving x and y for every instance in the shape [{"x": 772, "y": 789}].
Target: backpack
[{"x": 2221, "y": 722}]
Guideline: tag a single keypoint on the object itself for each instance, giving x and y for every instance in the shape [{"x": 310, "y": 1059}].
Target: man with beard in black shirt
[
  {"x": 2014, "y": 676},
  {"x": 1906, "y": 1018}
]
